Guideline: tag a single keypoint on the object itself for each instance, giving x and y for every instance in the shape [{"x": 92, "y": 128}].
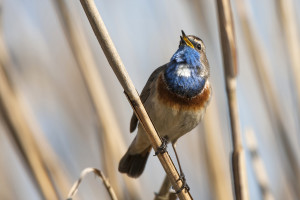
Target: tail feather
[{"x": 134, "y": 165}]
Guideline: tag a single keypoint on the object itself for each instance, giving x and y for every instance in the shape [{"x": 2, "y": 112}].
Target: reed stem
[{"x": 227, "y": 35}]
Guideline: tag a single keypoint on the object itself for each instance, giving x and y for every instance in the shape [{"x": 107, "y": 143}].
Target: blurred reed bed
[
  {"x": 46, "y": 161},
  {"x": 271, "y": 101},
  {"x": 112, "y": 143},
  {"x": 38, "y": 158},
  {"x": 258, "y": 166}
]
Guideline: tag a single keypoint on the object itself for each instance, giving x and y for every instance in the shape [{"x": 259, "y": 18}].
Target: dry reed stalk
[
  {"x": 16, "y": 122},
  {"x": 270, "y": 98},
  {"x": 218, "y": 169},
  {"x": 97, "y": 172},
  {"x": 164, "y": 191},
  {"x": 131, "y": 93},
  {"x": 227, "y": 36},
  {"x": 290, "y": 29},
  {"x": 112, "y": 141},
  {"x": 8, "y": 174},
  {"x": 258, "y": 166}
]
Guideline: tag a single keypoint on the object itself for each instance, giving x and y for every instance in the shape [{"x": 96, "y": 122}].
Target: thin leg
[
  {"x": 177, "y": 158},
  {"x": 182, "y": 176}
]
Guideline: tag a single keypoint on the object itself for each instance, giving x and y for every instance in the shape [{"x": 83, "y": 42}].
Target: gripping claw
[
  {"x": 163, "y": 147},
  {"x": 184, "y": 184}
]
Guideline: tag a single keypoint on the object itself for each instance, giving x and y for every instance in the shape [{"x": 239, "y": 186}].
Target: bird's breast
[{"x": 176, "y": 102}]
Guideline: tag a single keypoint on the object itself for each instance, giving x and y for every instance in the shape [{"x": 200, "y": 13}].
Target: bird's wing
[{"x": 145, "y": 94}]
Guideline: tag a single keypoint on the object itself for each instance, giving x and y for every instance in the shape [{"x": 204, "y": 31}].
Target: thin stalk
[
  {"x": 218, "y": 171},
  {"x": 227, "y": 36},
  {"x": 131, "y": 93},
  {"x": 98, "y": 173},
  {"x": 164, "y": 191},
  {"x": 290, "y": 29}
]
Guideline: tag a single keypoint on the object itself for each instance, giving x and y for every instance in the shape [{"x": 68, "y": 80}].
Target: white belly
[{"x": 173, "y": 123}]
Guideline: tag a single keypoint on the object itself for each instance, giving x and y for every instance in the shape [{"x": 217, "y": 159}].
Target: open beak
[{"x": 186, "y": 40}]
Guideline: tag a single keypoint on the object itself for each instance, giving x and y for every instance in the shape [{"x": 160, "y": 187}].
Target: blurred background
[{"x": 63, "y": 109}]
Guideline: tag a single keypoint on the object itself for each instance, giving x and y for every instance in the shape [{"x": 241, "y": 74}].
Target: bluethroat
[{"x": 175, "y": 97}]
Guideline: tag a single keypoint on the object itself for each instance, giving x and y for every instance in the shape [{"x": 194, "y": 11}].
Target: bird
[{"x": 175, "y": 97}]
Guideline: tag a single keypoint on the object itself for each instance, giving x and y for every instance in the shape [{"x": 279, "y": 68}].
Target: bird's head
[
  {"x": 193, "y": 42},
  {"x": 192, "y": 51}
]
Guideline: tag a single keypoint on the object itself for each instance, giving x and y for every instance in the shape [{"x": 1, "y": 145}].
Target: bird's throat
[{"x": 184, "y": 81}]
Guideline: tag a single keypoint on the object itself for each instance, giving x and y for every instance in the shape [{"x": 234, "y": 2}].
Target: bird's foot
[
  {"x": 184, "y": 184},
  {"x": 163, "y": 147}
]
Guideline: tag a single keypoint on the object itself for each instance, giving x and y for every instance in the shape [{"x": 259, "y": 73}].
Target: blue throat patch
[{"x": 189, "y": 85}]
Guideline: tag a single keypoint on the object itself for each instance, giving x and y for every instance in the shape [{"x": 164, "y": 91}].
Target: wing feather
[{"x": 145, "y": 94}]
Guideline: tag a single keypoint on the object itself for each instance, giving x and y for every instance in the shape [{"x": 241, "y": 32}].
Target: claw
[
  {"x": 163, "y": 147},
  {"x": 184, "y": 184},
  {"x": 181, "y": 177}
]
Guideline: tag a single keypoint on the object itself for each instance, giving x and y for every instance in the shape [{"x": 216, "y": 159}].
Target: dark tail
[{"x": 134, "y": 165}]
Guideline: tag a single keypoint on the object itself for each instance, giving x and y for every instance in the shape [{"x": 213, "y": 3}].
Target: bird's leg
[
  {"x": 163, "y": 147},
  {"x": 181, "y": 176}
]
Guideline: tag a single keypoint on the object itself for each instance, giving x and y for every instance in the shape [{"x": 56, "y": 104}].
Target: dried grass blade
[{"x": 97, "y": 172}]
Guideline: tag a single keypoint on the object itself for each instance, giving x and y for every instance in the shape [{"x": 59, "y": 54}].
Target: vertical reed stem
[
  {"x": 216, "y": 156},
  {"x": 227, "y": 35}
]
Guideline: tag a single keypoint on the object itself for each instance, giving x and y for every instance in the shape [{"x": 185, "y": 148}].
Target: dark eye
[{"x": 198, "y": 46}]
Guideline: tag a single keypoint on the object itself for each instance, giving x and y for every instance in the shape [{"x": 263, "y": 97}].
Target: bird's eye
[{"x": 198, "y": 46}]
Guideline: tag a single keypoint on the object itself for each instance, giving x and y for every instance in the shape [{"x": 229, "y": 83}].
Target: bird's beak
[{"x": 186, "y": 40}]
